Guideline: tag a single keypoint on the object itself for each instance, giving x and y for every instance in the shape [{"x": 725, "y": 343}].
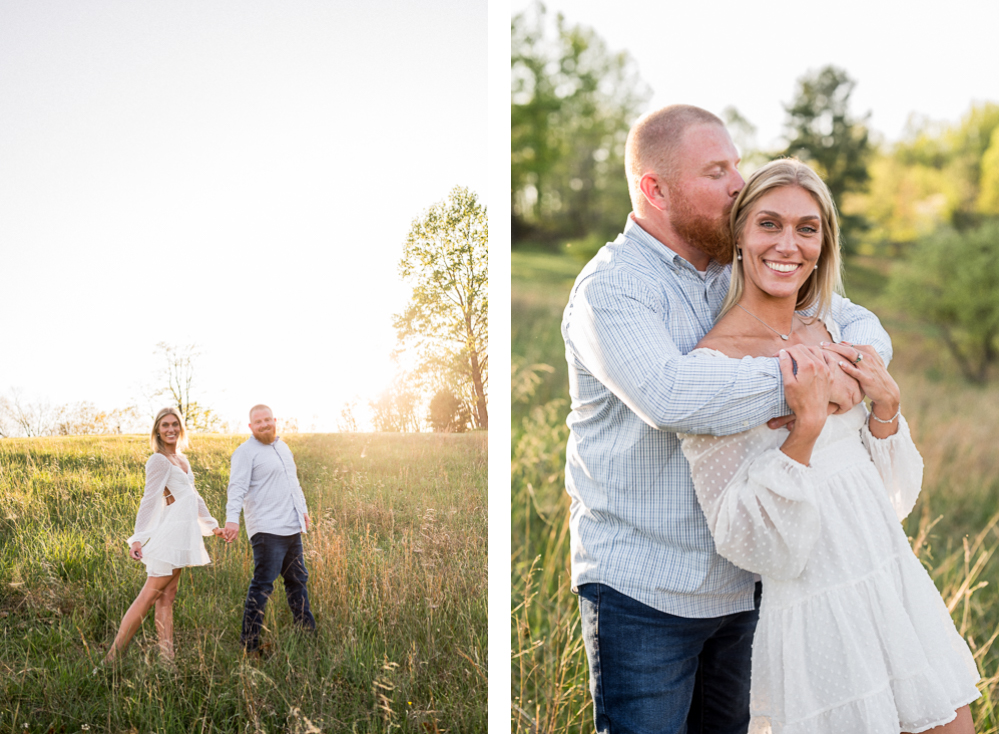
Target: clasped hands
[
  {"x": 835, "y": 371},
  {"x": 232, "y": 529}
]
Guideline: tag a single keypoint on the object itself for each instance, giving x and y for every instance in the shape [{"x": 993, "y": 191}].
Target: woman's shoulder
[
  {"x": 719, "y": 343},
  {"x": 157, "y": 459}
]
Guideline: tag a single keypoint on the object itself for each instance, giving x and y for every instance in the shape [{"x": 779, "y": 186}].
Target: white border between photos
[{"x": 498, "y": 143}]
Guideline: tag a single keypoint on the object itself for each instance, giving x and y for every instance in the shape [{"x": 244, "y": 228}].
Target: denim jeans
[
  {"x": 274, "y": 554},
  {"x": 656, "y": 672}
]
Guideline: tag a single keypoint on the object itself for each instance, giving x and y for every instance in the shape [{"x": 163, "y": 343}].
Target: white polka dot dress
[
  {"x": 853, "y": 635},
  {"x": 171, "y": 534}
]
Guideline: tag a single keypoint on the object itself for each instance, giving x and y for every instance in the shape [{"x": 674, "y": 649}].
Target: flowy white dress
[
  {"x": 171, "y": 534},
  {"x": 853, "y": 635}
]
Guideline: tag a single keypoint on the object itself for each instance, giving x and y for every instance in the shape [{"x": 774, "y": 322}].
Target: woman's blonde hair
[
  {"x": 154, "y": 438},
  {"x": 826, "y": 280}
]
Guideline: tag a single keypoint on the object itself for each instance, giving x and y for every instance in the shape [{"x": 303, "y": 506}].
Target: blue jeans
[
  {"x": 656, "y": 672},
  {"x": 274, "y": 554}
]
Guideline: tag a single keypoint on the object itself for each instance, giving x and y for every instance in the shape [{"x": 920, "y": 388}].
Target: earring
[
  {"x": 739, "y": 255},
  {"x": 815, "y": 267}
]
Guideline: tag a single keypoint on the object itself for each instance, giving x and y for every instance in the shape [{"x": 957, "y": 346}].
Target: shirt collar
[
  {"x": 261, "y": 443},
  {"x": 634, "y": 232}
]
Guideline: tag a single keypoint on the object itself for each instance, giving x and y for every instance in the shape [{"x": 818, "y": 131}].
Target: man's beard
[
  {"x": 711, "y": 236},
  {"x": 266, "y": 435}
]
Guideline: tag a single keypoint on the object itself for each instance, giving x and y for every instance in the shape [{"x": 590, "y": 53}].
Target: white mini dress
[
  {"x": 853, "y": 635},
  {"x": 171, "y": 534}
]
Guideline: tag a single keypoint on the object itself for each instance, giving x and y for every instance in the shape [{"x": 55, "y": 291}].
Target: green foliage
[
  {"x": 939, "y": 174},
  {"x": 823, "y": 132},
  {"x": 950, "y": 281},
  {"x": 987, "y": 202},
  {"x": 446, "y": 322},
  {"x": 397, "y": 579},
  {"x": 572, "y": 103}
]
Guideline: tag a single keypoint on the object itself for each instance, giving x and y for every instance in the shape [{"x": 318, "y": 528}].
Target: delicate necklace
[{"x": 784, "y": 337}]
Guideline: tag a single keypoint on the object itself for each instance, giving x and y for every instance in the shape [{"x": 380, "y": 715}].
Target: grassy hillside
[
  {"x": 953, "y": 527},
  {"x": 397, "y": 582}
]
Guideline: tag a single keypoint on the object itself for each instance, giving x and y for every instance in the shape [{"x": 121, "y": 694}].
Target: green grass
[
  {"x": 397, "y": 583},
  {"x": 953, "y": 527}
]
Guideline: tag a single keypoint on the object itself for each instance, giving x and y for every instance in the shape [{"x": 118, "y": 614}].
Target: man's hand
[
  {"x": 308, "y": 523},
  {"x": 231, "y": 531},
  {"x": 844, "y": 393},
  {"x": 788, "y": 421}
]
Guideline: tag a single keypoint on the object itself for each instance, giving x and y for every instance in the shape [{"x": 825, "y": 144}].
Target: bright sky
[
  {"x": 920, "y": 56},
  {"x": 240, "y": 174}
]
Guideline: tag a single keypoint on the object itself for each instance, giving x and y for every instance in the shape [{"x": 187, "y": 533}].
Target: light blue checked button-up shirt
[
  {"x": 634, "y": 313},
  {"x": 264, "y": 484}
]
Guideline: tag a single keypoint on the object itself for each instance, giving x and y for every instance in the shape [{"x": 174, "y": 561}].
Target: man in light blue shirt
[
  {"x": 667, "y": 622},
  {"x": 264, "y": 484}
]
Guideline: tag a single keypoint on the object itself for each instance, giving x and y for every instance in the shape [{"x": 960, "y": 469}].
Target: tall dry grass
[
  {"x": 953, "y": 527},
  {"x": 397, "y": 583}
]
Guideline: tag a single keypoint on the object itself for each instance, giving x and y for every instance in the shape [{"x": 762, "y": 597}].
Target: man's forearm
[{"x": 858, "y": 325}]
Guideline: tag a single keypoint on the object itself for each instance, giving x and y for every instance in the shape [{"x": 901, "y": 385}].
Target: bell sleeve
[
  {"x": 757, "y": 501},
  {"x": 899, "y": 464},
  {"x": 153, "y": 501},
  {"x": 206, "y": 522}
]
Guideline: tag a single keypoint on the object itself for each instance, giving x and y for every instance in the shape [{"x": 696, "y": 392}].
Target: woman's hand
[
  {"x": 135, "y": 552},
  {"x": 217, "y": 532},
  {"x": 807, "y": 392},
  {"x": 864, "y": 364}
]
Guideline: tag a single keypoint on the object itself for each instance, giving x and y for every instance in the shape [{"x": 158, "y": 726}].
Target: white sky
[
  {"x": 239, "y": 174},
  {"x": 926, "y": 57}
]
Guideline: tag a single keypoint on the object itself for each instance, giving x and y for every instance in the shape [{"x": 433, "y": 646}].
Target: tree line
[
  {"x": 442, "y": 337},
  {"x": 921, "y": 211}
]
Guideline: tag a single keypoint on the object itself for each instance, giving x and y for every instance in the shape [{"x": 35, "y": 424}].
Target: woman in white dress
[
  {"x": 169, "y": 526},
  {"x": 853, "y": 636}
]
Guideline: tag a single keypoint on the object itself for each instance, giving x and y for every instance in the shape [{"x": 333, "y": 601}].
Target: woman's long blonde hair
[
  {"x": 154, "y": 439},
  {"x": 818, "y": 290}
]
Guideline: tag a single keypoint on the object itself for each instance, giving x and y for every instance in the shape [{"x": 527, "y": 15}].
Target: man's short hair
[
  {"x": 653, "y": 141},
  {"x": 255, "y": 408}
]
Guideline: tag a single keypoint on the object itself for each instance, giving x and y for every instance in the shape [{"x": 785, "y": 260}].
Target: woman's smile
[{"x": 780, "y": 267}]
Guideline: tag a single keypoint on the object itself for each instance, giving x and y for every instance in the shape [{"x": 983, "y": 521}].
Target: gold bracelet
[{"x": 879, "y": 420}]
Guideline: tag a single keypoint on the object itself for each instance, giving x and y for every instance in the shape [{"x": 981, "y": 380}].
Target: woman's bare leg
[
  {"x": 151, "y": 591},
  {"x": 961, "y": 724},
  {"x": 164, "y": 616}
]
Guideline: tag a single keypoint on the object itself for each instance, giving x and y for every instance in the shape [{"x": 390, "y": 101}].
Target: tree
[
  {"x": 448, "y": 413},
  {"x": 744, "y": 134},
  {"x": 988, "y": 201},
  {"x": 31, "y": 418},
  {"x": 572, "y": 103},
  {"x": 445, "y": 257},
  {"x": 939, "y": 174},
  {"x": 822, "y": 132},
  {"x": 85, "y": 419},
  {"x": 178, "y": 375},
  {"x": 950, "y": 281},
  {"x": 347, "y": 423},
  {"x": 396, "y": 408}
]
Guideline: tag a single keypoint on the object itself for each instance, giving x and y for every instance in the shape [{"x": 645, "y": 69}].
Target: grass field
[
  {"x": 953, "y": 527},
  {"x": 397, "y": 583}
]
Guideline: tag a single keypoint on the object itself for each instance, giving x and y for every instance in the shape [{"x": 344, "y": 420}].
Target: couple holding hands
[
  {"x": 735, "y": 508},
  {"x": 172, "y": 518}
]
